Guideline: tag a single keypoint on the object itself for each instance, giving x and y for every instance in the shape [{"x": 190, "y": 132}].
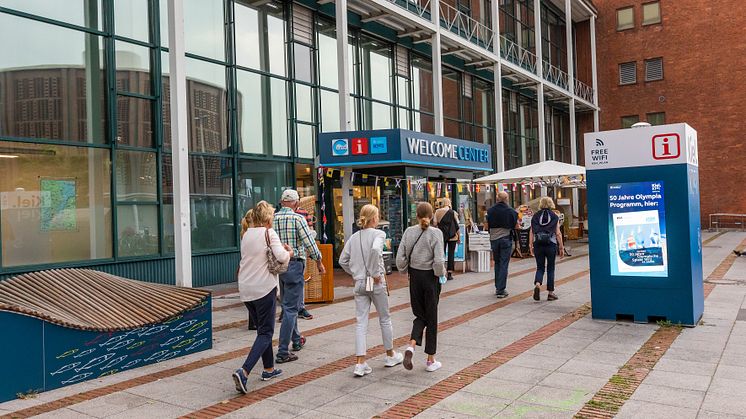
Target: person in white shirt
[
  {"x": 257, "y": 287},
  {"x": 362, "y": 257}
]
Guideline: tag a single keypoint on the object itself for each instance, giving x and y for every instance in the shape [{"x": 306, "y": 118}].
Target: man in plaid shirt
[{"x": 293, "y": 231}]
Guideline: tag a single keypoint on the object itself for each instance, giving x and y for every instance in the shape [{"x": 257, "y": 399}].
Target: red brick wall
[{"x": 703, "y": 46}]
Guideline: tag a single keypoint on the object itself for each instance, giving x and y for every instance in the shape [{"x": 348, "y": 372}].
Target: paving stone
[
  {"x": 678, "y": 380},
  {"x": 519, "y": 374},
  {"x": 313, "y": 414},
  {"x": 110, "y": 405},
  {"x": 560, "y": 398},
  {"x": 355, "y": 406},
  {"x": 538, "y": 361},
  {"x": 441, "y": 414},
  {"x": 501, "y": 389},
  {"x": 390, "y": 390},
  {"x": 731, "y": 372},
  {"x": 573, "y": 382},
  {"x": 152, "y": 409},
  {"x": 602, "y": 357},
  {"x": 716, "y": 415},
  {"x": 472, "y": 404},
  {"x": 63, "y": 414},
  {"x": 636, "y": 409},
  {"x": 308, "y": 396},
  {"x": 591, "y": 369},
  {"x": 533, "y": 411},
  {"x": 724, "y": 403},
  {"x": 669, "y": 396},
  {"x": 689, "y": 367},
  {"x": 726, "y": 386}
]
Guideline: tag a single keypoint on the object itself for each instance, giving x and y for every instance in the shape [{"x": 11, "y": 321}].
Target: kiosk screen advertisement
[{"x": 637, "y": 228}]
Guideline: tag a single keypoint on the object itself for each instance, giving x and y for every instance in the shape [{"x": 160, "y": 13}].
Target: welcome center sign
[{"x": 398, "y": 146}]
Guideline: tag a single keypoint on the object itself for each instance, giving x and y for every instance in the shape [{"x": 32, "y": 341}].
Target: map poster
[
  {"x": 58, "y": 205},
  {"x": 637, "y": 225}
]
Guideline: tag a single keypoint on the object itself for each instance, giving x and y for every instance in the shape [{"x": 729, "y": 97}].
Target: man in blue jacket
[{"x": 501, "y": 221}]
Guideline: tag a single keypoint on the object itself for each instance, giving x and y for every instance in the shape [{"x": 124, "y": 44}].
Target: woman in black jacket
[{"x": 544, "y": 239}]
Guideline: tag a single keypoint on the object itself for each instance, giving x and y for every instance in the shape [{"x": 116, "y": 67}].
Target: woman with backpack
[
  {"x": 447, "y": 220},
  {"x": 544, "y": 240},
  {"x": 362, "y": 257},
  {"x": 421, "y": 255}
]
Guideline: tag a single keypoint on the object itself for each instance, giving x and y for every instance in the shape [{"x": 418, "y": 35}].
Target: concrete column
[
  {"x": 348, "y": 205},
  {"x": 343, "y": 58},
  {"x": 594, "y": 74},
  {"x": 540, "y": 86},
  {"x": 437, "y": 69},
  {"x": 497, "y": 72},
  {"x": 180, "y": 138}
]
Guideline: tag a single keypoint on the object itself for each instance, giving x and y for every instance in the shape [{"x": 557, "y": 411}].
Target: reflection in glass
[
  {"x": 54, "y": 196},
  {"x": 53, "y": 87},
  {"x": 261, "y": 180},
  {"x": 278, "y": 95},
  {"x": 131, "y": 19},
  {"x": 207, "y": 98},
  {"x": 204, "y": 28},
  {"x": 329, "y": 110},
  {"x": 163, "y": 12},
  {"x": 251, "y": 126},
  {"x": 134, "y": 122},
  {"x": 306, "y": 140},
  {"x": 247, "y": 36},
  {"x": 137, "y": 230},
  {"x": 136, "y": 176},
  {"x": 85, "y": 13},
  {"x": 380, "y": 115},
  {"x": 303, "y": 63},
  {"x": 210, "y": 185},
  {"x": 452, "y": 91},
  {"x": 133, "y": 68},
  {"x": 327, "y": 48},
  {"x": 424, "y": 122},
  {"x": 276, "y": 42},
  {"x": 422, "y": 84},
  {"x": 376, "y": 65},
  {"x": 304, "y": 102}
]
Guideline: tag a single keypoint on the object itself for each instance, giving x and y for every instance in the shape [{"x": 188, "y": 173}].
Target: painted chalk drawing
[{"x": 108, "y": 353}]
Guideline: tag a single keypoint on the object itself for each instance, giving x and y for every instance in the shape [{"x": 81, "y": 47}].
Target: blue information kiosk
[{"x": 644, "y": 224}]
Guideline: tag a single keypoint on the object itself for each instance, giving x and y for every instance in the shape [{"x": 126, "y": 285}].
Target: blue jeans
[
  {"x": 501, "y": 250},
  {"x": 291, "y": 283},
  {"x": 545, "y": 256},
  {"x": 263, "y": 313}
]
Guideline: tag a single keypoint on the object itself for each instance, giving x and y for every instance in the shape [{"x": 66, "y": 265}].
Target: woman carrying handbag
[
  {"x": 421, "y": 254},
  {"x": 362, "y": 257},
  {"x": 263, "y": 258}
]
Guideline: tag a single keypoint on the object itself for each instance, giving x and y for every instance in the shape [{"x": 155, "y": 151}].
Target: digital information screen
[{"x": 637, "y": 228}]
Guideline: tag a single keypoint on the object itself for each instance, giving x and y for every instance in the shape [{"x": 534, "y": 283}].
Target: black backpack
[
  {"x": 543, "y": 236},
  {"x": 448, "y": 226}
]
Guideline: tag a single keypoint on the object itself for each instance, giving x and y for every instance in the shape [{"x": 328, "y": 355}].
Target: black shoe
[
  {"x": 537, "y": 290},
  {"x": 737, "y": 253},
  {"x": 304, "y": 314},
  {"x": 551, "y": 297},
  {"x": 252, "y": 326},
  {"x": 450, "y": 276},
  {"x": 290, "y": 357},
  {"x": 279, "y": 319},
  {"x": 502, "y": 294}
]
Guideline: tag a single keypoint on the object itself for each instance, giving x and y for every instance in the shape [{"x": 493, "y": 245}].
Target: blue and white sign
[{"x": 398, "y": 146}]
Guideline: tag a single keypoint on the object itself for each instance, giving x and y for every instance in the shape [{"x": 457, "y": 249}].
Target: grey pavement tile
[
  {"x": 110, "y": 405},
  {"x": 726, "y": 386},
  {"x": 560, "y": 398},
  {"x": 724, "y": 403},
  {"x": 501, "y": 389},
  {"x": 62, "y": 414},
  {"x": 716, "y": 415},
  {"x": 712, "y": 345},
  {"x": 573, "y": 382},
  {"x": 669, "y": 396},
  {"x": 202, "y": 396},
  {"x": 610, "y": 358},
  {"x": 562, "y": 341},
  {"x": 621, "y": 348},
  {"x": 711, "y": 357},
  {"x": 677, "y": 380},
  {"x": 472, "y": 404},
  {"x": 636, "y": 409},
  {"x": 267, "y": 409},
  {"x": 521, "y": 410},
  {"x": 308, "y": 396},
  {"x": 553, "y": 351},
  {"x": 390, "y": 390},
  {"x": 355, "y": 406},
  {"x": 731, "y": 372},
  {"x": 519, "y": 374},
  {"x": 737, "y": 358},
  {"x": 589, "y": 368},
  {"x": 689, "y": 367},
  {"x": 541, "y": 362},
  {"x": 441, "y": 414},
  {"x": 152, "y": 409}
]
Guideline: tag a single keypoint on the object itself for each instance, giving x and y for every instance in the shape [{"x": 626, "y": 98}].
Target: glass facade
[{"x": 85, "y": 131}]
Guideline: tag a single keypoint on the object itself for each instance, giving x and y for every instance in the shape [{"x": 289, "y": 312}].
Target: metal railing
[
  {"x": 727, "y": 221},
  {"x": 517, "y": 55},
  {"x": 555, "y": 75},
  {"x": 583, "y": 91},
  {"x": 419, "y": 7},
  {"x": 466, "y": 27}
]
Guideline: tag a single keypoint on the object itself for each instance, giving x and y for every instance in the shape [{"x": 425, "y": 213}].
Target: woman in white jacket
[
  {"x": 362, "y": 257},
  {"x": 257, "y": 288}
]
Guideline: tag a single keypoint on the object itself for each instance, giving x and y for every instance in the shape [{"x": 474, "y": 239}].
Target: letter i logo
[{"x": 666, "y": 146}]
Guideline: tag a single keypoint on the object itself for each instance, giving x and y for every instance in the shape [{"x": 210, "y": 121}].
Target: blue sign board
[
  {"x": 399, "y": 146},
  {"x": 645, "y": 263}
]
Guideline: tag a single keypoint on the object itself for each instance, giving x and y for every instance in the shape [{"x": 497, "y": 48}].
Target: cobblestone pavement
[{"x": 501, "y": 358}]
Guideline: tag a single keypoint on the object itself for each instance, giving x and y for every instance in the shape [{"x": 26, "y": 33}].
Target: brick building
[{"x": 673, "y": 61}]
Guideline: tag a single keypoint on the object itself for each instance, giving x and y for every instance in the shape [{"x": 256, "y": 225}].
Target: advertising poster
[
  {"x": 458, "y": 254},
  {"x": 58, "y": 205},
  {"x": 637, "y": 226}
]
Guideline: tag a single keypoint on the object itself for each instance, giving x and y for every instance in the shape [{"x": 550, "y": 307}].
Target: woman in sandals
[
  {"x": 544, "y": 239},
  {"x": 362, "y": 257},
  {"x": 421, "y": 252},
  {"x": 257, "y": 288}
]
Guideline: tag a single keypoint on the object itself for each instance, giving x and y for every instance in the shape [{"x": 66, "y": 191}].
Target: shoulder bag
[{"x": 274, "y": 266}]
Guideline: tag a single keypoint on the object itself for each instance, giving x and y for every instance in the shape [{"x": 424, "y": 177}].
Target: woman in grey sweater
[
  {"x": 362, "y": 257},
  {"x": 421, "y": 252}
]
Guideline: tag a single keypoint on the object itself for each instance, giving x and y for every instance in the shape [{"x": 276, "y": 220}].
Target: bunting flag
[
  {"x": 377, "y": 181},
  {"x": 352, "y": 177},
  {"x": 398, "y": 183},
  {"x": 329, "y": 172}
]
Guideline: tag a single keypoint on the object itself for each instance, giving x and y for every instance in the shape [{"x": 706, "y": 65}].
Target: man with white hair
[{"x": 293, "y": 231}]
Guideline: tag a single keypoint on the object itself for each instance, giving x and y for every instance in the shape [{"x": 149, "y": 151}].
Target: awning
[{"x": 549, "y": 171}]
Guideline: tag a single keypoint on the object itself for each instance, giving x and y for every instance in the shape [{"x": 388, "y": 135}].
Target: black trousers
[
  {"x": 450, "y": 253},
  {"x": 424, "y": 294}
]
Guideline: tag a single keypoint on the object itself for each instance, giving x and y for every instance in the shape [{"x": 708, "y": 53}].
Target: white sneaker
[
  {"x": 392, "y": 361},
  {"x": 362, "y": 369},
  {"x": 408, "y": 354},
  {"x": 435, "y": 366}
]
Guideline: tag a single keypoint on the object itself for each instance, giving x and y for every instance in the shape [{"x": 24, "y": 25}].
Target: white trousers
[{"x": 380, "y": 299}]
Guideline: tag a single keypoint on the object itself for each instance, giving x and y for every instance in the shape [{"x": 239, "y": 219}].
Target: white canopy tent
[{"x": 550, "y": 172}]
